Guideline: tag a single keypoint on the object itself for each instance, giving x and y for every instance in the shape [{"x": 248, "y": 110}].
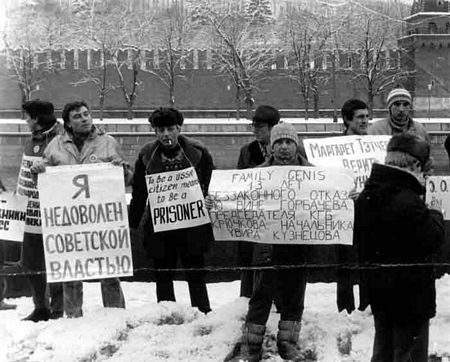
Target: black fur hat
[
  {"x": 163, "y": 117},
  {"x": 412, "y": 145},
  {"x": 266, "y": 114}
]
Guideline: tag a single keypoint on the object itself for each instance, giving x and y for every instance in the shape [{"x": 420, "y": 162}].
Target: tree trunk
[
  {"x": 101, "y": 104},
  {"x": 316, "y": 104},
  {"x": 370, "y": 103},
  {"x": 237, "y": 100},
  {"x": 306, "y": 107},
  {"x": 129, "y": 111},
  {"x": 249, "y": 111}
]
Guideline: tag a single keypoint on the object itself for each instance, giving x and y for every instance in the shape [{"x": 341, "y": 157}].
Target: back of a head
[
  {"x": 266, "y": 114},
  {"x": 349, "y": 108},
  {"x": 412, "y": 145},
  {"x": 41, "y": 111},
  {"x": 165, "y": 117}
]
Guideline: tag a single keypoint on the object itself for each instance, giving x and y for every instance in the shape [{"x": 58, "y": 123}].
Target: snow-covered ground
[{"x": 147, "y": 331}]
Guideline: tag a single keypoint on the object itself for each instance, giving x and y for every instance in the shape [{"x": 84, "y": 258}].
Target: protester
[
  {"x": 3, "y": 304},
  {"x": 399, "y": 102},
  {"x": 84, "y": 143},
  {"x": 287, "y": 284},
  {"x": 253, "y": 154},
  {"x": 169, "y": 152},
  {"x": 355, "y": 116},
  {"x": 396, "y": 234},
  {"x": 44, "y": 128}
]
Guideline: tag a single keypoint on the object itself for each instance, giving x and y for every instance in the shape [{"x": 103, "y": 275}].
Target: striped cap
[{"x": 398, "y": 94}]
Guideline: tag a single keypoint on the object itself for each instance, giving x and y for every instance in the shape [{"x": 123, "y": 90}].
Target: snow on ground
[{"x": 147, "y": 331}]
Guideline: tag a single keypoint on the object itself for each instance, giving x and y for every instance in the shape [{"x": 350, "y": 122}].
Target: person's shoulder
[
  {"x": 148, "y": 147},
  {"x": 192, "y": 142},
  {"x": 379, "y": 127},
  {"x": 249, "y": 145}
]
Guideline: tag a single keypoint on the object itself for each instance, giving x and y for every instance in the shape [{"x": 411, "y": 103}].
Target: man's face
[
  {"x": 168, "y": 135},
  {"x": 400, "y": 110},
  {"x": 284, "y": 150},
  {"x": 261, "y": 132},
  {"x": 80, "y": 121},
  {"x": 360, "y": 122}
]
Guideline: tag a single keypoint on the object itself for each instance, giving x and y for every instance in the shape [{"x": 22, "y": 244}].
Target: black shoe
[
  {"x": 56, "y": 314},
  {"x": 38, "y": 315},
  {"x": 6, "y": 306}
]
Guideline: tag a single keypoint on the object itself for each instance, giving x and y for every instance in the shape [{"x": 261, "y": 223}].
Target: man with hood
[
  {"x": 44, "y": 127},
  {"x": 399, "y": 103},
  {"x": 169, "y": 152},
  {"x": 396, "y": 235},
  {"x": 84, "y": 143}
]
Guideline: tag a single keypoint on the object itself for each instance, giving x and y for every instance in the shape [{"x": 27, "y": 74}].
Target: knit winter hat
[
  {"x": 266, "y": 114},
  {"x": 412, "y": 145},
  {"x": 398, "y": 94},
  {"x": 283, "y": 130}
]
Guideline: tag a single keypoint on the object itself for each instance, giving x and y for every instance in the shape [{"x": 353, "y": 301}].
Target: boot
[
  {"x": 287, "y": 340},
  {"x": 249, "y": 348},
  {"x": 40, "y": 314}
]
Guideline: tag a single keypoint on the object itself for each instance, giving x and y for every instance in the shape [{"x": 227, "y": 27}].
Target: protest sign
[
  {"x": 176, "y": 200},
  {"x": 27, "y": 186},
  {"x": 283, "y": 205},
  {"x": 356, "y": 153},
  {"x": 438, "y": 194},
  {"x": 13, "y": 213},
  {"x": 85, "y": 222}
]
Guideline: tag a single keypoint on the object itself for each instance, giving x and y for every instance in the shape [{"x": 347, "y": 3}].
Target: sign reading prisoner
[
  {"x": 176, "y": 200},
  {"x": 26, "y": 185},
  {"x": 85, "y": 222},
  {"x": 13, "y": 213},
  {"x": 356, "y": 153},
  {"x": 283, "y": 205},
  {"x": 438, "y": 194}
]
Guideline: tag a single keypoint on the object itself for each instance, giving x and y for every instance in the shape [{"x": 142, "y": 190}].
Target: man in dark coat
[
  {"x": 396, "y": 235},
  {"x": 173, "y": 151},
  {"x": 286, "y": 284},
  {"x": 44, "y": 128},
  {"x": 251, "y": 155}
]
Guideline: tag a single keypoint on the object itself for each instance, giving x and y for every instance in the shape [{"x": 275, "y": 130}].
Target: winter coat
[
  {"x": 394, "y": 226},
  {"x": 34, "y": 147},
  {"x": 383, "y": 127},
  {"x": 197, "y": 238},
  {"x": 98, "y": 147}
]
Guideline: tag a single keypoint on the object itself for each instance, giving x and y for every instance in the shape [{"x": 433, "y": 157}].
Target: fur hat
[
  {"x": 398, "y": 94},
  {"x": 266, "y": 114},
  {"x": 412, "y": 145},
  {"x": 283, "y": 130},
  {"x": 164, "y": 117}
]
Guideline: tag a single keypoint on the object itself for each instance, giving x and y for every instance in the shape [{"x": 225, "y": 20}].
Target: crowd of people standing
[{"x": 392, "y": 226}]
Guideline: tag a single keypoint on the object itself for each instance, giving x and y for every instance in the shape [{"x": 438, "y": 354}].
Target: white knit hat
[
  {"x": 398, "y": 94},
  {"x": 283, "y": 130}
]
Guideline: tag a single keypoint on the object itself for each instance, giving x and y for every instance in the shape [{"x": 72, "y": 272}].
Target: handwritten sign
[
  {"x": 85, "y": 222},
  {"x": 176, "y": 200},
  {"x": 27, "y": 186},
  {"x": 438, "y": 194},
  {"x": 13, "y": 213},
  {"x": 356, "y": 153},
  {"x": 283, "y": 205}
]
